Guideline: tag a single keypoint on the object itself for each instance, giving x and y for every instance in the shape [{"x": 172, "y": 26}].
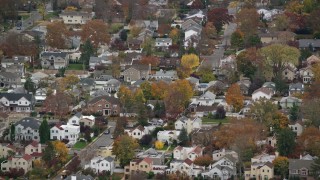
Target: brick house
[{"x": 107, "y": 105}]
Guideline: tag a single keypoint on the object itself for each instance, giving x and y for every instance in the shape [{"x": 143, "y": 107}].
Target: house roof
[
  {"x": 27, "y": 157},
  {"x": 54, "y": 54},
  {"x": 34, "y": 144},
  {"x": 141, "y": 128},
  {"x": 313, "y": 59},
  {"x": 87, "y": 81},
  {"x": 197, "y": 150},
  {"x": 29, "y": 122},
  {"x": 298, "y": 85},
  {"x": 305, "y": 43},
  {"x": 269, "y": 85},
  {"x": 208, "y": 95},
  {"x": 75, "y": 13},
  {"x": 9, "y": 75},
  {"x": 188, "y": 161},
  {"x": 163, "y": 40},
  {"x": 263, "y": 90},
  {"x": 299, "y": 163},
  {"x": 110, "y": 99},
  {"x": 148, "y": 160}
]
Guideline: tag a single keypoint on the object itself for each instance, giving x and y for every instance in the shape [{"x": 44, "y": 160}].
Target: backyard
[
  {"x": 207, "y": 120},
  {"x": 75, "y": 67}
]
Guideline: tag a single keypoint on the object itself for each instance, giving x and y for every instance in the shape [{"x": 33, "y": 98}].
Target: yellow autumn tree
[
  {"x": 159, "y": 90},
  {"x": 190, "y": 61},
  {"x": 234, "y": 97},
  {"x": 159, "y": 144},
  {"x": 61, "y": 151},
  {"x": 174, "y": 35}
]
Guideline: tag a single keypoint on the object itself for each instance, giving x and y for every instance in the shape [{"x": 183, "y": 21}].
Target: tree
[
  {"x": 126, "y": 98},
  {"x": 12, "y": 132},
  {"x": 120, "y": 125},
  {"x": 96, "y": 31},
  {"x": 159, "y": 145},
  {"x": 57, "y": 34},
  {"x": 219, "y": 17},
  {"x": 30, "y": 86},
  {"x": 178, "y": 97},
  {"x": 123, "y": 35},
  {"x": 234, "y": 97},
  {"x": 313, "y": 19},
  {"x": 220, "y": 113},
  {"x": 246, "y": 64},
  {"x": 282, "y": 22},
  {"x": 190, "y": 61},
  {"x": 48, "y": 154},
  {"x": 42, "y": 10},
  {"x": 205, "y": 160},
  {"x": 123, "y": 148},
  {"x": 237, "y": 39},
  {"x": 248, "y": 21},
  {"x": 44, "y": 132},
  {"x": 281, "y": 166},
  {"x": 15, "y": 44},
  {"x": 146, "y": 139},
  {"x": 183, "y": 137},
  {"x": 294, "y": 113},
  {"x": 206, "y": 74},
  {"x": 159, "y": 110},
  {"x": 74, "y": 165},
  {"x": 152, "y": 60},
  {"x": 87, "y": 51},
  {"x": 285, "y": 141},
  {"x": 61, "y": 151},
  {"x": 146, "y": 89},
  {"x": 210, "y": 31},
  {"x": 279, "y": 121},
  {"x": 309, "y": 140},
  {"x": 315, "y": 168},
  {"x": 159, "y": 90},
  {"x": 278, "y": 56},
  {"x": 263, "y": 111},
  {"x": 310, "y": 109},
  {"x": 175, "y": 35},
  {"x": 58, "y": 104}
]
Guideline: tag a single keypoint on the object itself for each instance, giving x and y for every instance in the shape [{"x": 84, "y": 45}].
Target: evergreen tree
[
  {"x": 294, "y": 112},
  {"x": 44, "y": 132},
  {"x": 49, "y": 153},
  {"x": 12, "y": 132},
  {"x": 183, "y": 137},
  {"x": 87, "y": 51},
  {"x": 285, "y": 141},
  {"x": 143, "y": 116},
  {"x": 30, "y": 86},
  {"x": 315, "y": 168}
]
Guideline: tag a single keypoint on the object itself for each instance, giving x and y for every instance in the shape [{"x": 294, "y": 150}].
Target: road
[{"x": 214, "y": 59}]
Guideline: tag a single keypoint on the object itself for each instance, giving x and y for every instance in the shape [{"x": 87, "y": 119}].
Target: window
[
  {"x": 145, "y": 166},
  {"x": 101, "y": 164},
  {"x": 141, "y": 166},
  {"x": 66, "y": 130},
  {"x": 52, "y": 131},
  {"x": 26, "y": 103},
  {"x": 107, "y": 105}
]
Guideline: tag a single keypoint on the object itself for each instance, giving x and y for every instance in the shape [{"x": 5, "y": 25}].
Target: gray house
[
  {"x": 299, "y": 168},
  {"x": 27, "y": 129},
  {"x": 136, "y": 72},
  {"x": 54, "y": 60},
  {"x": 10, "y": 102},
  {"x": 8, "y": 80}
]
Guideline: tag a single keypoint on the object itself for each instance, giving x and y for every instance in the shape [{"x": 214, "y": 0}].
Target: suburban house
[
  {"x": 163, "y": 42},
  {"x": 136, "y": 72},
  {"x": 289, "y": 73},
  {"x": 54, "y": 60},
  {"x": 17, "y": 161},
  {"x": 206, "y": 99},
  {"x": 87, "y": 84},
  {"x": 156, "y": 156},
  {"x": 19, "y": 60},
  {"x": 244, "y": 86},
  {"x": 5, "y": 149},
  {"x": 187, "y": 167},
  {"x": 262, "y": 93},
  {"x": 297, "y": 127},
  {"x": 16, "y": 69},
  {"x": 270, "y": 85},
  {"x": 75, "y": 17},
  {"x": 309, "y": 43},
  {"x": 276, "y": 37},
  {"x": 40, "y": 95},
  {"x": 38, "y": 76},
  {"x": 289, "y": 102},
  {"x": 218, "y": 154},
  {"x": 296, "y": 88},
  {"x": 169, "y": 63},
  {"x": 306, "y": 74},
  {"x": 9, "y": 80},
  {"x": 100, "y": 164},
  {"x": 75, "y": 119},
  {"x": 98, "y": 61},
  {"x": 188, "y": 123},
  {"x": 168, "y": 136},
  {"x": 87, "y": 120},
  {"x": 65, "y": 132},
  {"x": 106, "y": 105},
  {"x": 223, "y": 169},
  {"x": 112, "y": 86},
  {"x": 137, "y": 132},
  {"x": 27, "y": 129},
  {"x": 143, "y": 164},
  {"x": 300, "y": 168},
  {"x": 34, "y": 149},
  {"x": 263, "y": 170},
  {"x": 20, "y": 102},
  {"x": 163, "y": 74},
  {"x": 183, "y": 153}
]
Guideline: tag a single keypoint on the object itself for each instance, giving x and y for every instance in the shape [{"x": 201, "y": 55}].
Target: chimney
[
  {"x": 277, "y": 154},
  {"x": 149, "y": 69}
]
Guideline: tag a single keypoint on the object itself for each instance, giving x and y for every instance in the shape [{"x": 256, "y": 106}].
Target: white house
[
  {"x": 88, "y": 120},
  {"x": 100, "y": 164},
  {"x": 262, "y": 93},
  {"x": 182, "y": 153},
  {"x": 137, "y": 132},
  {"x": 218, "y": 154},
  {"x": 186, "y": 167},
  {"x": 206, "y": 99},
  {"x": 188, "y": 124},
  {"x": 40, "y": 95},
  {"x": 163, "y": 74},
  {"x": 68, "y": 131},
  {"x": 163, "y": 42},
  {"x": 297, "y": 127},
  {"x": 75, "y": 17},
  {"x": 75, "y": 119},
  {"x": 168, "y": 136},
  {"x": 27, "y": 129},
  {"x": 223, "y": 169}
]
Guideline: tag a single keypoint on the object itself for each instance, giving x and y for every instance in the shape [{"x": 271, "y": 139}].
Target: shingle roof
[
  {"x": 299, "y": 163},
  {"x": 29, "y": 122},
  {"x": 110, "y": 99},
  {"x": 305, "y": 43},
  {"x": 54, "y": 54},
  {"x": 15, "y": 97},
  {"x": 9, "y": 75},
  {"x": 264, "y": 90},
  {"x": 188, "y": 161}
]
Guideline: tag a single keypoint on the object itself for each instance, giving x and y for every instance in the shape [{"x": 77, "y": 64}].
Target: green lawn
[
  {"x": 79, "y": 145},
  {"x": 206, "y": 120},
  {"x": 75, "y": 67}
]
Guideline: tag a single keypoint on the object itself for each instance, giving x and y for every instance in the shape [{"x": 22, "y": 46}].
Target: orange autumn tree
[
  {"x": 205, "y": 160},
  {"x": 310, "y": 140},
  {"x": 159, "y": 90},
  {"x": 57, "y": 35},
  {"x": 234, "y": 97},
  {"x": 96, "y": 31},
  {"x": 152, "y": 60}
]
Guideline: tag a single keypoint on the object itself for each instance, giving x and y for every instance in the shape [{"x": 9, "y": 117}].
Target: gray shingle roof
[
  {"x": 9, "y": 75},
  {"x": 305, "y": 43},
  {"x": 29, "y": 122},
  {"x": 299, "y": 163},
  {"x": 16, "y": 96},
  {"x": 54, "y": 54}
]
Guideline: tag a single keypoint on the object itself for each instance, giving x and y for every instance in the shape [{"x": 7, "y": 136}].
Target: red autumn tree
[
  {"x": 219, "y": 17},
  {"x": 58, "y": 104},
  {"x": 96, "y": 31}
]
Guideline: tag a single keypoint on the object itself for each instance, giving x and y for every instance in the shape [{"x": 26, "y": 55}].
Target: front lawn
[
  {"x": 80, "y": 145},
  {"x": 206, "y": 120},
  {"x": 75, "y": 67}
]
